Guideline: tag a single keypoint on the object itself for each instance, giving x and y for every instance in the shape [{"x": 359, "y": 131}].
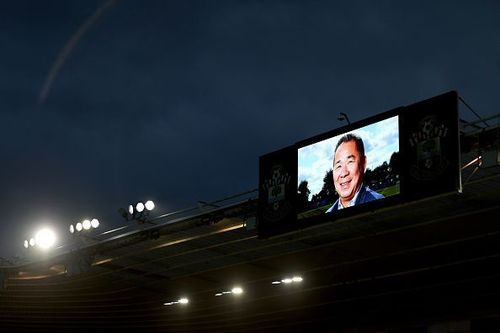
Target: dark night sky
[{"x": 176, "y": 100}]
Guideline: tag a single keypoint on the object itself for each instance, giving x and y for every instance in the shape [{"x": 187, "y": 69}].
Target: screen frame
[{"x": 430, "y": 165}]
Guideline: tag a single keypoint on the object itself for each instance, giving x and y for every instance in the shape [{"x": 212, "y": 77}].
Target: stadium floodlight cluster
[
  {"x": 44, "y": 239},
  {"x": 139, "y": 212},
  {"x": 140, "y": 207},
  {"x": 85, "y": 225}
]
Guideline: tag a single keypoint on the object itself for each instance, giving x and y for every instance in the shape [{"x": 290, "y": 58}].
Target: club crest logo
[
  {"x": 427, "y": 140},
  {"x": 276, "y": 185}
]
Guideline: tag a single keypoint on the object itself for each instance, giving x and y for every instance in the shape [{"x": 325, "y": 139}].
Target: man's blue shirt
[{"x": 364, "y": 195}]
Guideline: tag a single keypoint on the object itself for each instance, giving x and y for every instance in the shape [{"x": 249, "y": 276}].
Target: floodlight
[
  {"x": 45, "y": 238},
  {"x": 138, "y": 211},
  {"x": 139, "y": 207},
  {"x": 32, "y": 242},
  {"x": 287, "y": 280},
  {"x": 182, "y": 300},
  {"x": 150, "y": 205},
  {"x": 26, "y": 244},
  {"x": 237, "y": 290},
  {"x": 94, "y": 223},
  {"x": 86, "y": 224}
]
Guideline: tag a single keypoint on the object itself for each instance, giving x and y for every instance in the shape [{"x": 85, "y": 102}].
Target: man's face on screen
[{"x": 348, "y": 170}]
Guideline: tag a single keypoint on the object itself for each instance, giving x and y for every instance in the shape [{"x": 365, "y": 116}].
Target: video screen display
[{"x": 349, "y": 169}]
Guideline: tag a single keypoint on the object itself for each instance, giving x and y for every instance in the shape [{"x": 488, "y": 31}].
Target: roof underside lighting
[
  {"x": 182, "y": 300},
  {"x": 237, "y": 290},
  {"x": 288, "y": 280}
]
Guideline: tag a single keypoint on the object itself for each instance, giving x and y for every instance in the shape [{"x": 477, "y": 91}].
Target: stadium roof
[{"x": 427, "y": 260}]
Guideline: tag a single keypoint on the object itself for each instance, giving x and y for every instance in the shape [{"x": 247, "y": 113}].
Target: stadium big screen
[
  {"x": 348, "y": 168},
  {"x": 404, "y": 154}
]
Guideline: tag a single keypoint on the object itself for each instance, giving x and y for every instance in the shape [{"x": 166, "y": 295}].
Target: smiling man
[{"x": 349, "y": 165}]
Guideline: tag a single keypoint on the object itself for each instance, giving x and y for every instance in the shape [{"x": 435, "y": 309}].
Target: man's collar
[{"x": 353, "y": 200}]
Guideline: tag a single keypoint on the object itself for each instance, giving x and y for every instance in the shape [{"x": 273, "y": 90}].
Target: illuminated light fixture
[
  {"x": 94, "y": 223},
  {"x": 139, "y": 213},
  {"x": 183, "y": 301},
  {"x": 237, "y": 290},
  {"x": 287, "y": 280},
  {"x": 45, "y": 238},
  {"x": 86, "y": 224},
  {"x": 477, "y": 160},
  {"x": 139, "y": 207},
  {"x": 150, "y": 205}
]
